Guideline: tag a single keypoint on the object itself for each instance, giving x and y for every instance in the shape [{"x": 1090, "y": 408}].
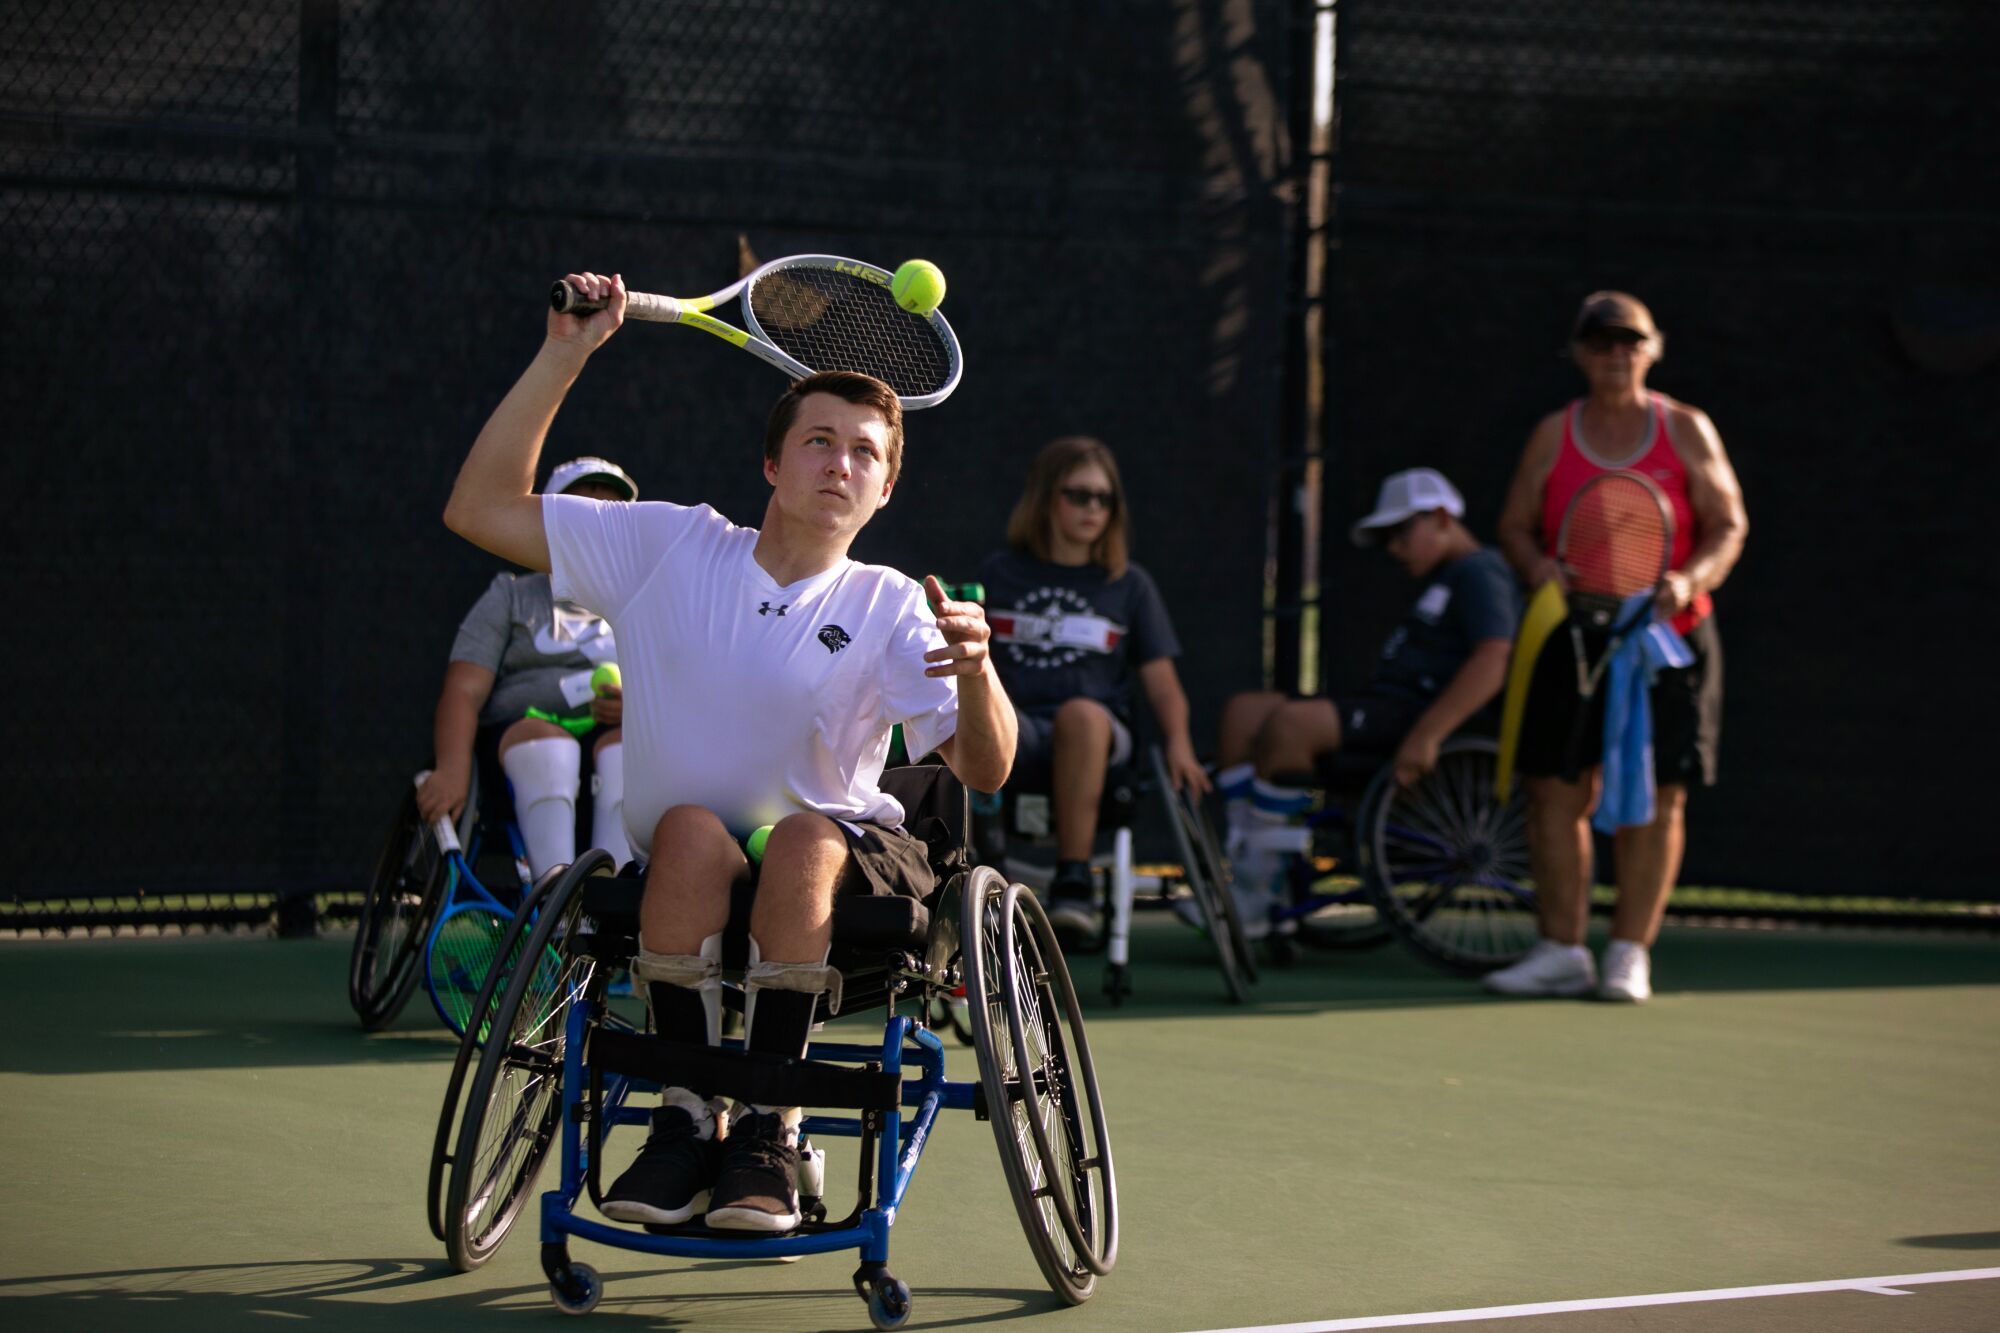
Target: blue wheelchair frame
[
  {"x": 897, "y": 1154},
  {"x": 1036, "y": 1084}
]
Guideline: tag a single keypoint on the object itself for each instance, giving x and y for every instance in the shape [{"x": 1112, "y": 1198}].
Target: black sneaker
[
  {"x": 1074, "y": 915},
  {"x": 758, "y": 1188},
  {"x": 670, "y": 1180}
]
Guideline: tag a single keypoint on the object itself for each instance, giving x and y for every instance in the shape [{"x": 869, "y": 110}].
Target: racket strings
[
  {"x": 830, "y": 320},
  {"x": 1615, "y": 540}
]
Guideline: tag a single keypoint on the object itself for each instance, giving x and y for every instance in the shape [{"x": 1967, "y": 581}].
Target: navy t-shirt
[
  {"x": 1472, "y": 598},
  {"x": 1066, "y": 631}
]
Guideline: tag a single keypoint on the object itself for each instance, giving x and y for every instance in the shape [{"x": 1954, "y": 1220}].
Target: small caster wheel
[
  {"x": 576, "y": 1289},
  {"x": 889, "y": 1302}
]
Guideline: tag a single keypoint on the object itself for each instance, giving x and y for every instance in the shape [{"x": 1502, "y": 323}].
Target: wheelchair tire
[
  {"x": 1049, "y": 1124},
  {"x": 470, "y": 1041},
  {"x": 513, "y": 1108},
  {"x": 1447, "y": 863},
  {"x": 411, "y": 884},
  {"x": 1208, "y": 881}
]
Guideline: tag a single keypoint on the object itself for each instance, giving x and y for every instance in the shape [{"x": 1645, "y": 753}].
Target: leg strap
[{"x": 698, "y": 972}]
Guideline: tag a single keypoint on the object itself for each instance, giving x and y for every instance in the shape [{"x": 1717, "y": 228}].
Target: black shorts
[
  {"x": 1687, "y": 713},
  {"x": 881, "y": 862},
  {"x": 1375, "y": 724}
]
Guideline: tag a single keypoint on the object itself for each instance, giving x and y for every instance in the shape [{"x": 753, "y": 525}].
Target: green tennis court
[{"x": 196, "y": 1135}]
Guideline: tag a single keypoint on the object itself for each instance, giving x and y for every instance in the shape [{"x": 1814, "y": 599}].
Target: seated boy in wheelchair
[
  {"x": 764, "y": 671},
  {"x": 1076, "y": 623},
  {"x": 1442, "y": 664},
  {"x": 518, "y": 697}
]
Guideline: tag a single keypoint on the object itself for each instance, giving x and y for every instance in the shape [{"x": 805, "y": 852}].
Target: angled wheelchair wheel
[
  {"x": 1208, "y": 881},
  {"x": 472, "y": 1038},
  {"x": 1039, "y": 1084},
  {"x": 513, "y": 1107},
  {"x": 412, "y": 882},
  {"x": 1447, "y": 862}
]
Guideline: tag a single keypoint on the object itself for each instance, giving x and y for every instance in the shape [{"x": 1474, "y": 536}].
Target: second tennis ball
[
  {"x": 606, "y": 677},
  {"x": 754, "y": 844},
  {"x": 918, "y": 286}
]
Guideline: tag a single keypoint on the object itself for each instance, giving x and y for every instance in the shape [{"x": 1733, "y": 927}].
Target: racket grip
[
  {"x": 567, "y": 300},
  {"x": 447, "y": 835}
]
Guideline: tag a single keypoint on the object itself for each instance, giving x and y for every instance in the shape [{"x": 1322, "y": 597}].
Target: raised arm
[
  {"x": 981, "y": 752},
  {"x": 494, "y": 505},
  {"x": 1521, "y": 516},
  {"x": 1720, "y": 521}
]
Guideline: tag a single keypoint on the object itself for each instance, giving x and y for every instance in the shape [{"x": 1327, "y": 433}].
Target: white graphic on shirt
[
  {"x": 1432, "y": 604},
  {"x": 1054, "y": 627}
]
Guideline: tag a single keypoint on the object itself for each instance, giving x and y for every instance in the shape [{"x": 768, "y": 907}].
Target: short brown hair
[
  {"x": 1028, "y": 528},
  {"x": 850, "y": 386}
]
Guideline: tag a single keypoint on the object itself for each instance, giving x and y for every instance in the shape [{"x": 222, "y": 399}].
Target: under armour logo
[
  {"x": 766, "y": 609},
  {"x": 834, "y": 637}
]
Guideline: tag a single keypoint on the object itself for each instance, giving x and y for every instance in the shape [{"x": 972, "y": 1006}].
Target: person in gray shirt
[{"x": 518, "y": 690}]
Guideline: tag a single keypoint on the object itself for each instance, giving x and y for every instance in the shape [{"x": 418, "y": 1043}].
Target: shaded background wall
[
  {"x": 267, "y": 266},
  {"x": 1808, "y": 196}
]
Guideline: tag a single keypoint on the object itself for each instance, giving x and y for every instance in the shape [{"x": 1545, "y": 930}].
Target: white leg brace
[
  {"x": 543, "y": 774},
  {"x": 607, "y": 804},
  {"x": 805, "y": 978},
  {"x": 698, "y": 972}
]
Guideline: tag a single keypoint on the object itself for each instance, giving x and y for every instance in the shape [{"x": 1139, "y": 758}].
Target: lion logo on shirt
[{"x": 834, "y": 637}]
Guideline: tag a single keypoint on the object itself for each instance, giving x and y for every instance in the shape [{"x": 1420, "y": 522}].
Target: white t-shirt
[{"x": 752, "y": 700}]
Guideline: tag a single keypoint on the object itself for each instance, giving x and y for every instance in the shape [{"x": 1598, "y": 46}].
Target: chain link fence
[
  {"x": 1805, "y": 195},
  {"x": 268, "y": 265}
]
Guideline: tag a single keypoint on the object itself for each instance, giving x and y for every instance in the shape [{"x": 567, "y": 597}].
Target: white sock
[
  {"x": 607, "y": 804},
  {"x": 543, "y": 774}
]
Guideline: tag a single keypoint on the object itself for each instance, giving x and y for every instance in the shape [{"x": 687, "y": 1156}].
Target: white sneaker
[
  {"x": 1628, "y": 973},
  {"x": 1549, "y": 969}
]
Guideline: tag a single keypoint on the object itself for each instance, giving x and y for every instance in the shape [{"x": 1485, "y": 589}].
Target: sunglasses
[
  {"x": 1083, "y": 497},
  {"x": 1607, "y": 341}
]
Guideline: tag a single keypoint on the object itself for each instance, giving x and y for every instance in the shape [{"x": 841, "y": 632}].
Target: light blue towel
[{"x": 1627, "y": 798}]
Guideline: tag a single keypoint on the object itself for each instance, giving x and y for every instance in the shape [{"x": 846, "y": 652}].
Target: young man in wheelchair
[
  {"x": 1444, "y": 662},
  {"x": 517, "y": 699},
  {"x": 763, "y": 673}
]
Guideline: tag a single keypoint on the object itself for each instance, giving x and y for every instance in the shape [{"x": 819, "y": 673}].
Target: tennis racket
[
  {"x": 1616, "y": 539},
  {"x": 809, "y": 313}
]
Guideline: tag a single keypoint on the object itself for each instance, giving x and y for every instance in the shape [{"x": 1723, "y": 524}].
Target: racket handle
[
  {"x": 566, "y": 300},
  {"x": 447, "y": 835}
]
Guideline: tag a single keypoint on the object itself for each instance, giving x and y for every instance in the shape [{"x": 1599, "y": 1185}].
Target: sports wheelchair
[
  {"x": 551, "y": 1065},
  {"x": 1441, "y": 865},
  {"x": 428, "y": 916}
]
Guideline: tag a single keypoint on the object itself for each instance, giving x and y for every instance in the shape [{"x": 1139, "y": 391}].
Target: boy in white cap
[{"x": 1445, "y": 660}]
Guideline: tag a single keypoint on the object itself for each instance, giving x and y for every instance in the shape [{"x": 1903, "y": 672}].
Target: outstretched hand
[
  {"x": 587, "y": 332},
  {"x": 967, "y": 636}
]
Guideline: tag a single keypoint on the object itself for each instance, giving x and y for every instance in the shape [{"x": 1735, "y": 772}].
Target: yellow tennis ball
[
  {"x": 606, "y": 677},
  {"x": 754, "y": 844},
  {"x": 918, "y": 286}
]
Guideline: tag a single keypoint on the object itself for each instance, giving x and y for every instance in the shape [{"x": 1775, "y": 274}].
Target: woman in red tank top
[{"x": 1619, "y": 424}]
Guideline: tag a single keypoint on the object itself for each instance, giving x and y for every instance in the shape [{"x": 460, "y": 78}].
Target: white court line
[{"x": 1881, "y": 1286}]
